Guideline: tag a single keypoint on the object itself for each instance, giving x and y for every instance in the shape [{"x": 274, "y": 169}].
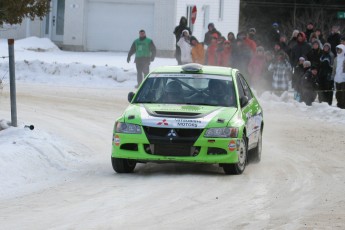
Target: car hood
[{"x": 178, "y": 116}]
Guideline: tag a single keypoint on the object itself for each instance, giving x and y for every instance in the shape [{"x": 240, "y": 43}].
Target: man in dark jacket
[
  {"x": 212, "y": 32},
  {"x": 178, "y": 32},
  {"x": 145, "y": 53},
  {"x": 315, "y": 53},
  {"x": 334, "y": 39},
  {"x": 309, "y": 30},
  {"x": 309, "y": 85},
  {"x": 325, "y": 75},
  {"x": 300, "y": 49}
]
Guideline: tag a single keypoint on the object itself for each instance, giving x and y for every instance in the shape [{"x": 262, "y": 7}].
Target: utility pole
[{"x": 12, "y": 82}]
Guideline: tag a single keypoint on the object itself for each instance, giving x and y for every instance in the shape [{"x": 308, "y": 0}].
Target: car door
[{"x": 251, "y": 112}]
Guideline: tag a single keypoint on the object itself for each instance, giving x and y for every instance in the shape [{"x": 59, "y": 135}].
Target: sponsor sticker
[
  {"x": 188, "y": 123},
  {"x": 232, "y": 145},
  {"x": 117, "y": 140}
]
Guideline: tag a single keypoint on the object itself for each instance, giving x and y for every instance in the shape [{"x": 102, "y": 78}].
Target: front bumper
[{"x": 203, "y": 150}]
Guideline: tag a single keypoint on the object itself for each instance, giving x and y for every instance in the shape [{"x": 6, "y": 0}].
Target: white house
[{"x": 112, "y": 25}]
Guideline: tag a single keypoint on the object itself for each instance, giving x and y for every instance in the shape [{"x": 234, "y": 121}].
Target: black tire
[
  {"x": 123, "y": 165},
  {"x": 238, "y": 168},
  {"x": 255, "y": 154}
]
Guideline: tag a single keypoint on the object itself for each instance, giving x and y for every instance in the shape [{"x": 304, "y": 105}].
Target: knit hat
[
  {"x": 327, "y": 44},
  {"x": 260, "y": 48},
  {"x": 301, "y": 59},
  {"x": 253, "y": 30},
  {"x": 306, "y": 64}
]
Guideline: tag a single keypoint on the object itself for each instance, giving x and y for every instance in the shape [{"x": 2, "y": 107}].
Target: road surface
[{"x": 299, "y": 184}]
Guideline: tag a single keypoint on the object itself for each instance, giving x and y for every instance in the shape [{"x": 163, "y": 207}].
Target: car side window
[{"x": 245, "y": 86}]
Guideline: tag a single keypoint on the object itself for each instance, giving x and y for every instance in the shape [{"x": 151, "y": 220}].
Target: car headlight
[
  {"x": 222, "y": 132},
  {"x": 121, "y": 127}
]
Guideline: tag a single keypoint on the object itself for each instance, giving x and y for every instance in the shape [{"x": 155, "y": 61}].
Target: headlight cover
[
  {"x": 222, "y": 132},
  {"x": 121, "y": 127}
]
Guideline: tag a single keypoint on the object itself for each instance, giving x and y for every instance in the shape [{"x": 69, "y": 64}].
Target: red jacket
[{"x": 224, "y": 57}]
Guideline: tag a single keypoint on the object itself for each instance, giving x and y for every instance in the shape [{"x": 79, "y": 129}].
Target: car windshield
[{"x": 186, "y": 89}]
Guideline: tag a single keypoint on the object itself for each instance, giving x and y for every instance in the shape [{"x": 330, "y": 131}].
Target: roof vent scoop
[{"x": 192, "y": 67}]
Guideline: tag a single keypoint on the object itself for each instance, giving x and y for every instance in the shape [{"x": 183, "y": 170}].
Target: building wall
[
  {"x": 73, "y": 38},
  {"x": 27, "y": 28},
  {"x": 167, "y": 14},
  {"x": 229, "y": 23}
]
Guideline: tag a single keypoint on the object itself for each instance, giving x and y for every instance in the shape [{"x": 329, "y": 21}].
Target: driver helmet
[{"x": 216, "y": 87}]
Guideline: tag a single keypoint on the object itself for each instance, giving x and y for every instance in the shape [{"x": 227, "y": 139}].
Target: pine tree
[{"x": 14, "y": 11}]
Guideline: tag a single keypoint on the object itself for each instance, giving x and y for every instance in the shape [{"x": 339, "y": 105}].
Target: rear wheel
[
  {"x": 255, "y": 154},
  {"x": 123, "y": 165},
  {"x": 238, "y": 168}
]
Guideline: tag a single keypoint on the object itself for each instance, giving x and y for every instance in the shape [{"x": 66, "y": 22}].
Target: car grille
[{"x": 164, "y": 144}]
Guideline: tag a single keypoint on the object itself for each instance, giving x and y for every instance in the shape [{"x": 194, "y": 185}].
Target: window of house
[{"x": 189, "y": 17}]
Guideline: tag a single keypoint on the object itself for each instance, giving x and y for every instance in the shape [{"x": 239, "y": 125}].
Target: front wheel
[
  {"x": 123, "y": 165},
  {"x": 238, "y": 168}
]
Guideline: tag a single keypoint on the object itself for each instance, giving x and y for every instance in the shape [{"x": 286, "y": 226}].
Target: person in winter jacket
[
  {"x": 309, "y": 30},
  {"x": 225, "y": 55},
  {"x": 338, "y": 75},
  {"x": 292, "y": 42},
  {"x": 256, "y": 67},
  {"x": 273, "y": 35},
  {"x": 309, "y": 85},
  {"x": 186, "y": 48},
  {"x": 334, "y": 38},
  {"x": 315, "y": 53},
  {"x": 250, "y": 43},
  {"x": 211, "y": 52},
  {"x": 300, "y": 49},
  {"x": 198, "y": 51},
  {"x": 178, "y": 31},
  {"x": 220, "y": 46},
  {"x": 267, "y": 76},
  {"x": 326, "y": 84},
  {"x": 212, "y": 32},
  {"x": 145, "y": 53},
  {"x": 342, "y": 40},
  {"x": 319, "y": 36},
  {"x": 296, "y": 78},
  {"x": 231, "y": 38},
  {"x": 281, "y": 69},
  {"x": 241, "y": 54}
]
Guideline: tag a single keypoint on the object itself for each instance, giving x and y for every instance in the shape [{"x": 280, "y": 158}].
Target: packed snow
[{"x": 39, "y": 61}]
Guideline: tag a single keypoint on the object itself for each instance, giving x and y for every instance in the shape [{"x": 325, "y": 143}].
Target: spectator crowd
[{"x": 314, "y": 65}]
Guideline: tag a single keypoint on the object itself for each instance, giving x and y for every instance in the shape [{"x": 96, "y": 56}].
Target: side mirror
[
  {"x": 130, "y": 96},
  {"x": 244, "y": 101}
]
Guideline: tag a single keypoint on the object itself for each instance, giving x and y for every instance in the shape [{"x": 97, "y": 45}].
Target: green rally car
[{"x": 190, "y": 113}]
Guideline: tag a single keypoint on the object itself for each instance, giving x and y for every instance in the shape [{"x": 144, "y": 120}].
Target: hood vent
[{"x": 177, "y": 114}]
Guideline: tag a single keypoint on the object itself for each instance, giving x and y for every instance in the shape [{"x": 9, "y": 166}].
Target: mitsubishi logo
[
  {"x": 163, "y": 122},
  {"x": 172, "y": 133}
]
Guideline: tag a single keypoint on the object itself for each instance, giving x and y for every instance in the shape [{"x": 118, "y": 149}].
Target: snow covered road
[{"x": 299, "y": 183}]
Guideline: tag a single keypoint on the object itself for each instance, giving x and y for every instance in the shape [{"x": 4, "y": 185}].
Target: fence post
[{"x": 12, "y": 82}]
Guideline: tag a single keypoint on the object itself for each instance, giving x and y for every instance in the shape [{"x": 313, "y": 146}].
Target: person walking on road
[{"x": 145, "y": 53}]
